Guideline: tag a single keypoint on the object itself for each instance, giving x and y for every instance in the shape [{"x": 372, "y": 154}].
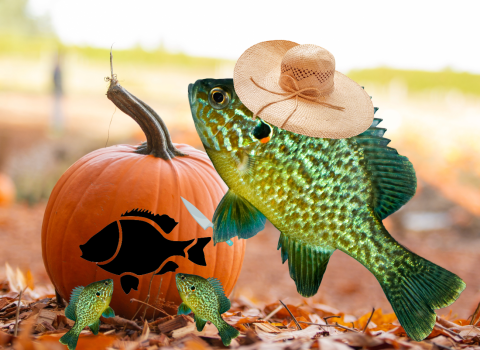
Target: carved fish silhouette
[{"x": 141, "y": 247}]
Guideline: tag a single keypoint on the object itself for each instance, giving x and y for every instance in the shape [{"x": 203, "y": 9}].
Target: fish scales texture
[
  {"x": 85, "y": 308},
  {"x": 323, "y": 194},
  {"x": 206, "y": 299}
]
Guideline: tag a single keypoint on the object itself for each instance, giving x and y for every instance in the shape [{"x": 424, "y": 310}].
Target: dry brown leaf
[
  {"x": 329, "y": 344},
  {"x": 266, "y": 327},
  {"x": 307, "y": 333}
]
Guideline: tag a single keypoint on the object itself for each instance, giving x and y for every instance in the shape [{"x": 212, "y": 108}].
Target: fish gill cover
[{"x": 143, "y": 249}]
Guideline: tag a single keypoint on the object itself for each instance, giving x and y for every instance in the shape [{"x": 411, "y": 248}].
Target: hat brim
[{"x": 262, "y": 62}]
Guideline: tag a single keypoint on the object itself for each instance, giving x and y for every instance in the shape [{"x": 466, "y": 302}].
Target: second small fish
[{"x": 207, "y": 300}]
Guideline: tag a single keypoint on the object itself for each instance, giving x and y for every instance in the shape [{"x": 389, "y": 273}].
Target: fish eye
[
  {"x": 219, "y": 98},
  {"x": 192, "y": 288},
  {"x": 183, "y": 277},
  {"x": 262, "y": 132},
  {"x": 97, "y": 294},
  {"x": 106, "y": 283}
]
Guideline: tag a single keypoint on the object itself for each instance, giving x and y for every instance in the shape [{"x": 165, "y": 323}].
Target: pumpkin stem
[{"x": 159, "y": 143}]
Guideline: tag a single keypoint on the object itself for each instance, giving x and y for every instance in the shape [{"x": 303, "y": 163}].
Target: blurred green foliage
[
  {"x": 15, "y": 19},
  {"x": 417, "y": 80}
]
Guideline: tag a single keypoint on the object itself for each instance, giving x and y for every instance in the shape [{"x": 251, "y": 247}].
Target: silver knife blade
[{"x": 199, "y": 217}]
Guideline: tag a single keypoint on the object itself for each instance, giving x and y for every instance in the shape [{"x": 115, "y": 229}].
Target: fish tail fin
[
  {"x": 415, "y": 287},
  {"x": 70, "y": 338},
  {"x": 227, "y": 332}
]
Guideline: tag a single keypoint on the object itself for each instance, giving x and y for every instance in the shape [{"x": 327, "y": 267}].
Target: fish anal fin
[
  {"x": 235, "y": 216},
  {"x": 307, "y": 264},
  {"x": 72, "y": 305},
  {"x": 390, "y": 172},
  {"x": 223, "y": 301}
]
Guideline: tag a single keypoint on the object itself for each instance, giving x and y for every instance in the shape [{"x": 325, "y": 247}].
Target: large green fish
[
  {"x": 86, "y": 306},
  {"x": 207, "y": 300},
  {"x": 322, "y": 194}
]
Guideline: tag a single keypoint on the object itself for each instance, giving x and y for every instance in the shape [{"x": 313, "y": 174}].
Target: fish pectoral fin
[
  {"x": 72, "y": 305},
  {"x": 183, "y": 309},
  {"x": 200, "y": 323},
  {"x": 223, "y": 301},
  {"x": 95, "y": 327},
  {"x": 235, "y": 216},
  {"x": 307, "y": 264},
  {"x": 108, "y": 312}
]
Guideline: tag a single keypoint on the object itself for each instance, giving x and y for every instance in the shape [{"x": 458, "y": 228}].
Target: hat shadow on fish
[{"x": 134, "y": 247}]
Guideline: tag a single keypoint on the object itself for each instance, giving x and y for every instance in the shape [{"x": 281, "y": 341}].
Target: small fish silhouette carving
[{"x": 141, "y": 247}]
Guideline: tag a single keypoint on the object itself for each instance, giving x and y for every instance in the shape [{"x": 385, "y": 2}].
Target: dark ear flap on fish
[
  {"x": 72, "y": 305},
  {"x": 183, "y": 309},
  {"x": 170, "y": 266},
  {"x": 307, "y": 264},
  {"x": 393, "y": 175},
  {"x": 196, "y": 253},
  {"x": 235, "y": 216},
  {"x": 128, "y": 283},
  {"x": 223, "y": 301}
]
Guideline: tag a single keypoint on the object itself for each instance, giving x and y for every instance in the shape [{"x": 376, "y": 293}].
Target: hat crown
[{"x": 311, "y": 66}]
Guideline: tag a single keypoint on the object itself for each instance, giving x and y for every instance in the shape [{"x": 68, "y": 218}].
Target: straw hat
[{"x": 296, "y": 88}]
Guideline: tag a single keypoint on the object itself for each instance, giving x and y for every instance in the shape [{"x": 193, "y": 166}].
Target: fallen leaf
[{"x": 85, "y": 342}]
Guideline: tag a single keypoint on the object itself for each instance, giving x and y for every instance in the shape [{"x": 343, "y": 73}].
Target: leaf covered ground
[{"x": 306, "y": 325}]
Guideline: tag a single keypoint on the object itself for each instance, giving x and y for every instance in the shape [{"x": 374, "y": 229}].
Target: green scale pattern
[{"x": 322, "y": 194}]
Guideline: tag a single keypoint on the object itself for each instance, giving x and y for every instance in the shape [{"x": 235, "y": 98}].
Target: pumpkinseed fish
[
  {"x": 86, "y": 306},
  {"x": 322, "y": 195},
  {"x": 207, "y": 300}
]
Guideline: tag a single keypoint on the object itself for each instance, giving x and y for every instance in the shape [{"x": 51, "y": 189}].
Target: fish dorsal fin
[
  {"x": 392, "y": 175},
  {"x": 235, "y": 216},
  {"x": 72, "y": 305},
  {"x": 307, "y": 264},
  {"x": 223, "y": 301}
]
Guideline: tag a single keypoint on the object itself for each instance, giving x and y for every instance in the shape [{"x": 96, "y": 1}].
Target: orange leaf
[
  {"x": 85, "y": 341},
  {"x": 247, "y": 320},
  {"x": 462, "y": 322}
]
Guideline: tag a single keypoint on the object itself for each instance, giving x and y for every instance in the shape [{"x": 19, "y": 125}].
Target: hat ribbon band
[{"x": 294, "y": 92}]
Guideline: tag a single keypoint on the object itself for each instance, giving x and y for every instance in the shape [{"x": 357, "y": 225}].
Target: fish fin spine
[
  {"x": 72, "y": 305},
  {"x": 223, "y": 301},
  {"x": 227, "y": 332},
  {"x": 416, "y": 289}
]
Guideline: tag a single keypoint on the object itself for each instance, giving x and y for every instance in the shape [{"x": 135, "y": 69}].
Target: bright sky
[{"x": 419, "y": 34}]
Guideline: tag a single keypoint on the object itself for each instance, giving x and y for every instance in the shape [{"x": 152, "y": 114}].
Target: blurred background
[{"x": 418, "y": 60}]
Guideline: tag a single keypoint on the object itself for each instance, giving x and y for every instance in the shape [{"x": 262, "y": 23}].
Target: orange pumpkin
[
  {"x": 94, "y": 193},
  {"x": 7, "y": 191}
]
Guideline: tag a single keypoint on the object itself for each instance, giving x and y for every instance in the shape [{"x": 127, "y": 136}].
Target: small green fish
[
  {"x": 86, "y": 306},
  {"x": 322, "y": 195},
  {"x": 207, "y": 300}
]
